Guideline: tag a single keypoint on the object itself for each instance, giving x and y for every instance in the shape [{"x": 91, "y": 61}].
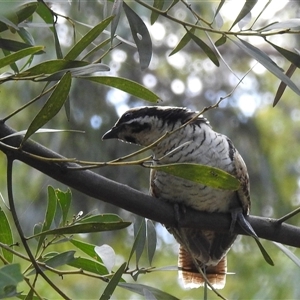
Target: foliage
[{"x": 55, "y": 244}]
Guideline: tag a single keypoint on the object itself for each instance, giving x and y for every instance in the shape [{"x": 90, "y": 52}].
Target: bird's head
[{"x": 144, "y": 125}]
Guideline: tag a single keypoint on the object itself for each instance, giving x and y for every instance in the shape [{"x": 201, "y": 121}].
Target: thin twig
[
  {"x": 288, "y": 216},
  {"x": 235, "y": 33}
]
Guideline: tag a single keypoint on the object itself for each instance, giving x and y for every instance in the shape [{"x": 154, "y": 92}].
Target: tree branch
[{"x": 123, "y": 196}]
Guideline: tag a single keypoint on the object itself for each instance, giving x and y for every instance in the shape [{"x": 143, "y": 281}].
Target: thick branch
[{"x": 134, "y": 201}]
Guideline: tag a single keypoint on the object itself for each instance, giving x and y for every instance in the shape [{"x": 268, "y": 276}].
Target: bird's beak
[{"x": 111, "y": 134}]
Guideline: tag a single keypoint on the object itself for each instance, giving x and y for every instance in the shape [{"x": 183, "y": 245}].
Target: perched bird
[{"x": 195, "y": 142}]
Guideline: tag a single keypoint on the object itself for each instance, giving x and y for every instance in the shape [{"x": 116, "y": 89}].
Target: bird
[{"x": 191, "y": 139}]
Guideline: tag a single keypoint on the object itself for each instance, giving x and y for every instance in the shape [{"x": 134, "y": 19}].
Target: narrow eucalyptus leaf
[
  {"x": 11, "y": 58},
  {"x": 52, "y": 106},
  {"x": 267, "y": 62},
  {"x": 13, "y": 46},
  {"x": 87, "y": 228},
  {"x": 87, "y": 248},
  {"x": 282, "y": 86},
  {"x": 221, "y": 41},
  {"x": 64, "y": 200},
  {"x": 158, "y": 4},
  {"x": 140, "y": 240},
  {"x": 60, "y": 259},
  {"x": 219, "y": 7},
  {"x": 148, "y": 295},
  {"x": 182, "y": 43},
  {"x": 246, "y": 9},
  {"x": 52, "y": 66},
  {"x": 128, "y": 86},
  {"x": 6, "y": 236},
  {"x": 140, "y": 35},
  {"x": 87, "y": 39},
  {"x": 201, "y": 174},
  {"x": 208, "y": 51},
  {"x": 88, "y": 265},
  {"x": 88, "y": 70},
  {"x": 291, "y": 56},
  {"x": 106, "y": 295},
  {"x": 103, "y": 218},
  {"x": 49, "y": 215},
  {"x": 116, "y": 13},
  {"x": 151, "y": 240}
]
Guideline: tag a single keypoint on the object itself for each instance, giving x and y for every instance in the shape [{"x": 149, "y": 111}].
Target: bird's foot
[
  {"x": 179, "y": 210},
  {"x": 237, "y": 217}
]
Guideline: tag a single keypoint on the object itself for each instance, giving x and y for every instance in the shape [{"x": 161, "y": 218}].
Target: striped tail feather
[{"x": 188, "y": 272}]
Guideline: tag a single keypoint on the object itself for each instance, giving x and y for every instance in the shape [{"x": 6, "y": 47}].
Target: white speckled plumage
[{"x": 196, "y": 142}]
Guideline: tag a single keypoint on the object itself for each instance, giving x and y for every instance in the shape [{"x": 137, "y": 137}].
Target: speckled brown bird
[{"x": 198, "y": 143}]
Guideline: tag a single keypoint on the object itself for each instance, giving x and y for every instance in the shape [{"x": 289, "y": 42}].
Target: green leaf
[
  {"x": 219, "y": 7},
  {"x": 87, "y": 228},
  {"x": 60, "y": 259},
  {"x": 76, "y": 72},
  {"x": 44, "y": 12},
  {"x": 14, "y": 46},
  {"x": 201, "y": 174},
  {"x": 6, "y": 236},
  {"x": 96, "y": 48},
  {"x": 266, "y": 61},
  {"x": 87, "y": 248},
  {"x": 64, "y": 200},
  {"x": 11, "y": 58},
  {"x": 116, "y": 13},
  {"x": 221, "y": 41},
  {"x": 208, "y": 51},
  {"x": 107, "y": 293},
  {"x": 89, "y": 265},
  {"x": 140, "y": 35},
  {"x": 158, "y": 4},
  {"x": 57, "y": 260},
  {"x": 151, "y": 240},
  {"x": 103, "y": 218},
  {"x": 183, "y": 42},
  {"x": 125, "y": 85},
  {"x": 10, "y": 276},
  {"x": 52, "y": 66},
  {"x": 52, "y": 106},
  {"x": 49, "y": 216},
  {"x": 140, "y": 238},
  {"x": 139, "y": 289},
  {"x": 26, "y": 11},
  {"x": 87, "y": 39},
  {"x": 5, "y": 23},
  {"x": 291, "y": 56},
  {"x": 292, "y": 68},
  {"x": 58, "y": 50},
  {"x": 248, "y": 6},
  {"x": 26, "y": 36}
]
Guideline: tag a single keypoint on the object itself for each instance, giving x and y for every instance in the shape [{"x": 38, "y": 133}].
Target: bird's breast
[{"x": 204, "y": 147}]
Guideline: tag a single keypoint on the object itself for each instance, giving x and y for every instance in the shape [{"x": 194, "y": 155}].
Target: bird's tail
[{"x": 216, "y": 275}]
